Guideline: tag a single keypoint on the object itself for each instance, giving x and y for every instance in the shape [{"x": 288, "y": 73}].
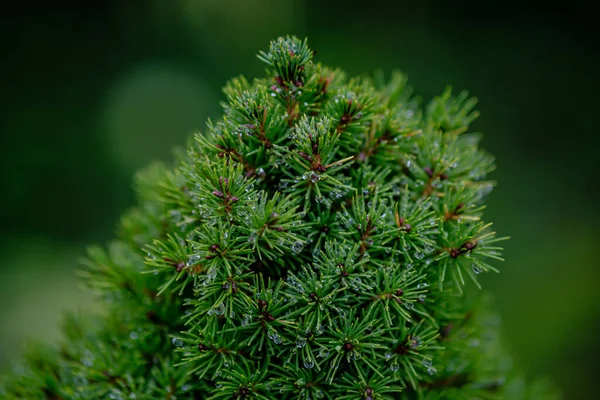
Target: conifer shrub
[{"x": 322, "y": 240}]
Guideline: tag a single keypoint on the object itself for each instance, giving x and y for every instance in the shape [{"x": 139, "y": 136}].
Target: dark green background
[{"x": 90, "y": 92}]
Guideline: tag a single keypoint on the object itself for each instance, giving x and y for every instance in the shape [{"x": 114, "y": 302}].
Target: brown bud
[
  {"x": 269, "y": 317},
  {"x": 202, "y": 347},
  {"x": 180, "y": 265},
  {"x": 414, "y": 343},
  {"x": 470, "y": 246},
  {"x": 401, "y": 350},
  {"x": 304, "y": 155}
]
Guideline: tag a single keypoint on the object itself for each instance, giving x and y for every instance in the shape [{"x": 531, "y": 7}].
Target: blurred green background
[{"x": 91, "y": 91}]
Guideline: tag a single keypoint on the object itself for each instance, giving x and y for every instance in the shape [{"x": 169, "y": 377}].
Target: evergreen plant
[{"x": 322, "y": 240}]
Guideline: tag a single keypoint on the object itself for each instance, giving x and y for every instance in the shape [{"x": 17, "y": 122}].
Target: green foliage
[{"x": 322, "y": 240}]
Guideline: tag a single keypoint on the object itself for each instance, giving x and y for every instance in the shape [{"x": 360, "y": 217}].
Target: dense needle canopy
[{"x": 323, "y": 239}]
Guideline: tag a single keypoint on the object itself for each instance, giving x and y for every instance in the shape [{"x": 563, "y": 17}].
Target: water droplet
[
  {"x": 211, "y": 274},
  {"x": 388, "y": 355},
  {"x": 246, "y": 320},
  {"x": 297, "y": 247},
  {"x": 277, "y": 339},
  {"x": 220, "y": 309},
  {"x": 431, "y": 370},
  {"x": 427, "y": 362},
  {"x": 422, "y": 285},
  {"x": 177, "y": 342},
  {"x": 419, "y": 255},
  {"x": 309, "y": 364},
  {"x": 192, "y": 260},
  {"x": 319, "y": 329},
  {"x": 88, "y": 360},
  {"x": 133, "y": 335},
  {"x": 300, "y": 342},
  {"x": 477, "y": 269},
  {"x": 394, "y": 367},
  {"x": 323, "y": 352},
  {"x": 409, "y": 305}
]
